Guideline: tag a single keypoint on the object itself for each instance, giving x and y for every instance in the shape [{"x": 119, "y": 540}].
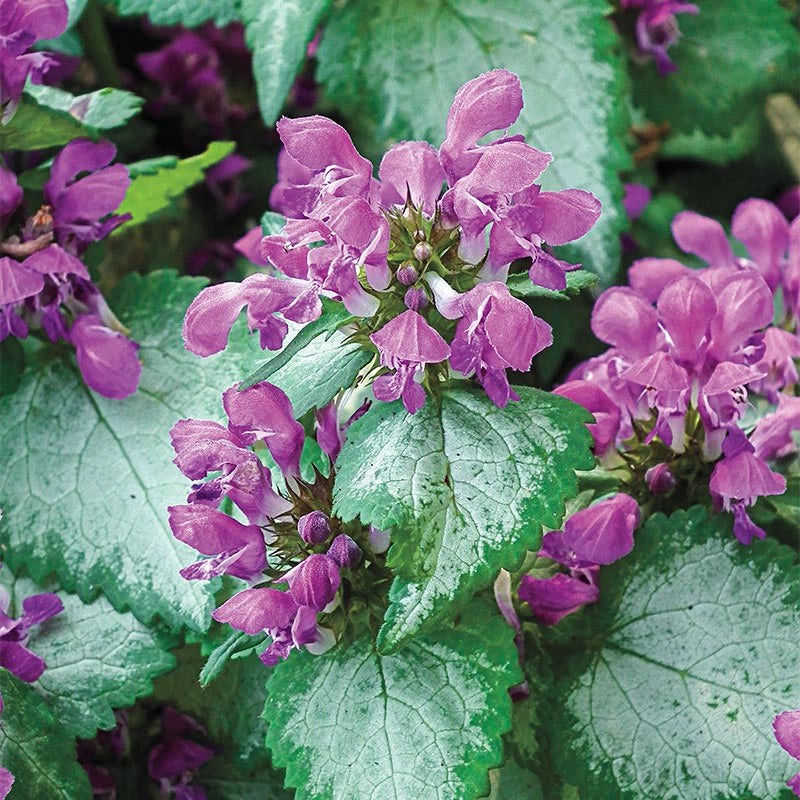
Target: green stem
[{"x": 96, "y": 41}]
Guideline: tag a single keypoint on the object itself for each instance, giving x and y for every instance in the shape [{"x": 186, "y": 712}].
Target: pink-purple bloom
[
  {"x": 406, "y": 344},
  {"x": 601, "y": 534},
  {"x": 43, "y": 282},
  {"x": 22, "y": 24},
  {"x": 431, "y": 214},
  {"x": 14, "y": 656},
  {"x": 786, "y": 727},
  {"x": 657, "y": 29}
]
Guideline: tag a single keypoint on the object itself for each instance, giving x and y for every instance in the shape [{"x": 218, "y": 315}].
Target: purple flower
[
  {"x": 173, "y": 760},
  {"x": 280, "y": 616},
  {"x": 10, "y": 194},
  {"x": 14, "y": 656},
  {"x": 496, "y": 332},
  {"x": 657, "y": 29},
  {"x": 781, "y": 348},
  {"x": 606, "y": 412},
  {"x": 597, "y": 535},
  {"x": 237, "y": 549},
  {"x": 314, "y": 527},
  {"x": 107, "y": 359},
  {"x": 772, "y": 437},
  {"x": 411, "y": 170},
  {"x": 22, "y": 23},
  {"x": 314, "y": 581},
  {"x": 739, "y": 479},
  {"x": 332, "y": 422},
  {"x": 660, "y": 479},
  {"x": 786, "y": 727},
  {"x": 81, "y": 207},
  {"x": 406, "y": 344},
  {"x": 203, "y": 447},
  {"x": 345, "y": 552},
  {"x": 264, "y": 413}
]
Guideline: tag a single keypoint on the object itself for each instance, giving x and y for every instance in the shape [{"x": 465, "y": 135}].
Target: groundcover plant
[{"x": 399, "y": 400}]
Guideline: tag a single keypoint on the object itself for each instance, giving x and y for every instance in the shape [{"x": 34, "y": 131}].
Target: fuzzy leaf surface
[
  {"x": 565, "y": 54},
  {"x": 278, "y": 33},
  {"x": 188, "y": 13},
  {"x": 730, "y": 57},
  {"x": 37, "y": 751},
  {"x": 422, "y": 724},
  {"x": 466, "y": 488},
  {"x": 101, "y": 110},
  {"x": 88, "y": 480},
  {"x": 695, "y": 652},
  {"x": 153, "y": 191},
  {"x": 98, "y": 659},
  {"x": 35, "y": 126}
]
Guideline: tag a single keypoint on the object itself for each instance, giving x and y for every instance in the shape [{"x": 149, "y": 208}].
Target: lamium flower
[
  {"x": 657, "y": 29},
  {"x": 459, "y": 215},
  {"x": 345, "y": 552},
  {"x": 314, "y": 527},
  {"x": 406, "y": 344},
  {"x": 14, "y": 656},
  {"x": 22, "y": 23},
  {"x": 237, "y": 549},
  {"x": 44, "y": 284},
  {"x": 289, "y": 624},
  {"x": 776, "y": 434},
  {"x": 606, "y": 412},
  {"x": 786, "y": 727},
  {"x": 495, "y": 332},
  {"x": 601, "y": 534},
  {"x": 739, "y": 479},
  {"x": 174, "y": 759}
]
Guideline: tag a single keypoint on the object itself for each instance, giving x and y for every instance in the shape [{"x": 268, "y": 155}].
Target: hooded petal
[
  {"x": 606, "y": 412},
  {"x": 624, "y": 319},
  {"x": 408, "y": 337},
  {"x": 210, "y": 317},
  {"x": 703, "y": 237},
  {"x": 650, "y": 276},
  {"x": 314, "y": 581},
  {"x": 603, "y": 533},
  {"x": 411, "y": 169},
  {"x": 257, "y": 610},
  {"x": 787, "y": 731},
  {"x": 686, "y": 308},
  {"x": 566, "y": 215},
  {"x": 107, "y": 359},
  {"x": 263, "y": 413},
  {"x": 551, "y": 599},
  {"x": 744, "y": 477},
  {"x": 764, "y": 231},
  {"x": 17, "y": 282},
  {"x": 745, "y": 305}
]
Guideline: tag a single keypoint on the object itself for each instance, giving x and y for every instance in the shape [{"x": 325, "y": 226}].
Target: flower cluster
[
  {"x": 287, "y": 537},
  {"x": 14, "y": 656},
  {"x": 657, "y": 29},
  {"x": 188, "y": 68},
  {"x": 22, "y": 24},
  {"x": 43, "y": 282},
  {"x": 601, "y": 534},
  {"x": 687, "y": 347},
  {"x": 423, "y": 271}
]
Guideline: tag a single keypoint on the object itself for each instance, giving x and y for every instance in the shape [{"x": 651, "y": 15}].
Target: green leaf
[
  {"x": 513, "y": 782},
  {"x": 151, "y": 192},
  {"x": 318, "y": 370},
  {"x": 189, "y": 13},
  {"x": 730, "y": 56},
  {"x": 423, "y": 724},
  {"x": 101, "y": 110},
  {"x": 34, "y": 127},
  {"x": 223, "y": 778},
  {"x": 272, "y": 223},
  {"x": 36, "y": 749},
  {"x": 333, "y": 316},
  {"x": 577, "y": 280},
  {"x": 465, "y": 485},
  {"x": 87, "y": 480},
  {"x": 278, "y": 32},
  {"x": 694, "y": 652},
  {"x": 97, "y": 658},
  {"x": 395, "y": 67}
]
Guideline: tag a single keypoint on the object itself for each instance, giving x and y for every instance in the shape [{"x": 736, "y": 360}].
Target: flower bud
[
  {"x": 344, "y": 551},
  {"x": 314, "y": 582},
  {"x": 407, "y": 273},
  {"x": 659, "y": 479},
  {"x": 423, "y": 251},
  {"x": 314, "y": 528},
  {"x": 415, "y": 299},
  {"x": 378, "y": 540}
]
